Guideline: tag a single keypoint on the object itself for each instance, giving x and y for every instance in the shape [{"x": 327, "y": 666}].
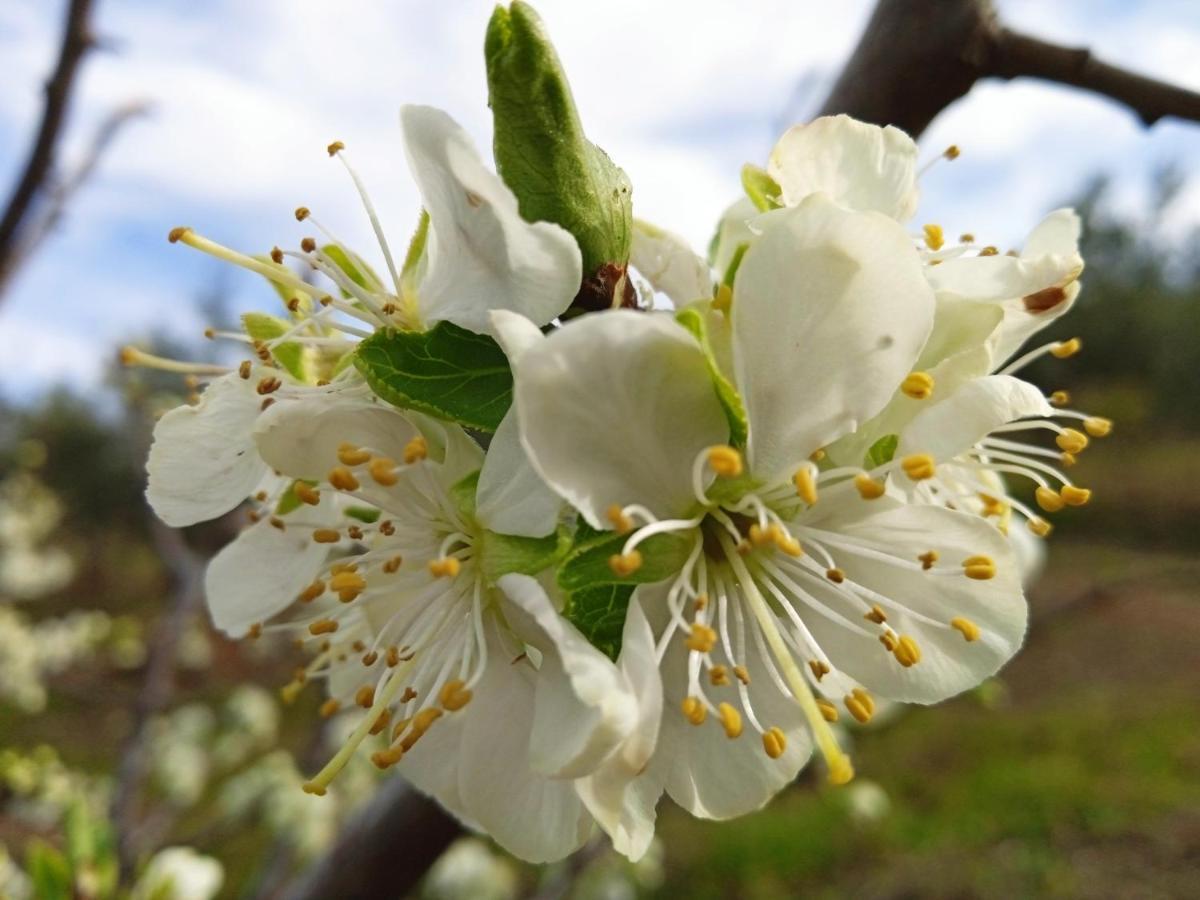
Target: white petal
[
  {"x": 958, "y": 326},
  {"x": 203, "y": 462},
  {"x": 260, "y": 573},
  {"x": 1021, "y": 323},
  {"x": 481, "y": 255},
  {"x": 535, "y": 818},
  {"x": 830, "y": 311},
  {"x": 620, "y": 794},
  {"x": 511, "y": 497},
  {"x": 949, "y": 664},
  {"x": 584, "y": 706},
  {"x": 1003, "y": 277},
  {"x": 514, "y": 333},
  {"x": 733, "y": 231},
  {"x": 614, "y": 409},
  {"x": 976, "y": 409},
  {"x": 860, "y": 166},
  {"x": 666, "y": 261},
  {"x": 1057, "y": 233},
  {"x": 432, "y": 765}
]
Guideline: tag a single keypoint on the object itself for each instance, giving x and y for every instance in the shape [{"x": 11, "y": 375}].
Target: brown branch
[
  {"x": 77, "y": 38},
  {"x": 384, "y": 851},
  {"x": 916, "y": 57}
]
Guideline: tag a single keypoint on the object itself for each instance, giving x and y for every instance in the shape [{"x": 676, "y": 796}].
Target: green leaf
[
  {"x": 586, "y": 565},
  {"x": 541, "y": 151},
  {"x": 501, "y": 554},
  {"x": 731, "y": 401},
  {"x": 599, "y": 614},
  {"x": 763, "y": 191},
  {"x": 48, "y": 870},
  {"x": 354, "y": 268},
  {"x": 447, "y": 372},
  {"x": 289, "y": 354},
  {"x": 882, "y": 450}
]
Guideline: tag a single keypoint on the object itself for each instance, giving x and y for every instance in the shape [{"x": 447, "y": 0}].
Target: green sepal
[
  {"x": 290, "y": 355},
  {"x": 735, "y": 263},
  {"x": 541, "y": 150},
  {"x": 882, "y": 451},
  {"x": 289, "y": 501},
  {"x": 503, "y": 554},
  {"x": 410, "y": 274},
  {"x": 586, "y": 564},
  {"x": 286, "y": 292},
  {"x": 763, "y": 191},
  {"x": 447, "y": 372},
  {"x": 731, "y": 401},
  {"x": 368, "y": 514},
  {"x": 354, "y": 268},
  {"x": 599, "y": 614},
  {"x": 462, "y": 495}
]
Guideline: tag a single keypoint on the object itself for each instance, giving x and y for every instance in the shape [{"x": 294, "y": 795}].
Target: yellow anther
[
  {"x": 308, "y": 244},
  {"x": 420, "y": 724},
  {"x": 993, "y": 506},
  {"x": 342, "y": 479},
  {"x": 365, "y": 696},
  {"x": 724, "y": 299},
  {"x": 907, "y": 652},
  {"x": 888, "y": 639},
  {"x": 290, "y": 691},
  {"x": 718, "y": 676},
  {"x": 340, "y": 567},
  {"x": 1097, "y": 426},
  {"x": 350, "y": 455},
  {"x": 392, "y": 565},
  {"x": 725, "y": 461},
  {"x": 876, "y": 615},
  {"x": 335, "y": 147},
  {"x": 1063, "y": 349},
  {"x": 306, "y": 493},
  {"x": 935, "y": 238},
  {"x": 805, "y": 481},
  {"x": 837, "y": 576},
  {"x": 774, "y": 742},
  {"x": 381, "y": 721},
  {"x": 621, "y": 523},
  {"x": 415, "y": 450},
  {"x": 1075, "y": 496},
  {"x": 968, "y": 629},
  {"x": 817, "y": 455},
  {"x": 383, "y": 471},
  {"x": 1060, "y": 398},
  {"x": 454, "y": 695},
  {"x": 952, "y": 152},
  {"x": 694, "y": 710},
  {"x": 446, "y": 567},
  {"x": 312, "y": 592},
  {"x": 868, "y": 487},
  {"x": 1068, "y": 459},
  {"x": 760, "y": 536},
  {"x": 369, "y": 659},
  {"x": 1048, "y": 499},
  {"x": 625, "y": 564},
  {"x": 928, "y": 559},
  {"x": 702, "y": 638},
  {"x": 323, "y": 626},
  {"x": 828, "y": 710},
  {"x": 860, "y": 704},
  {"x": 311, "y": 787},
  {"x": 741, "y": 674},
  {"x": 980, "y": 568},
  {"x": 785, "y": 543},
  {"x": 731, "y": 720},
  {"x": 347, "y": 585},
  {"x": 1039, "y": 526},
  {"x": 989, "y": 250},
  {"x": 385, "y": 759},
  {"x": 329, "y": 708},
  {"x": 918, "y": 385},
  {"x": 819, "y": 668},
  {"x": 700, "y": 602},
  {"x": 1071, "y": 441},
  {"x": 966, "y": 238},
  {"x": 918, "y": 466}
]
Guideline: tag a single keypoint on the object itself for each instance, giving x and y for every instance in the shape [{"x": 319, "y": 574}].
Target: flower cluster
[{"x": 567, "y": 562}]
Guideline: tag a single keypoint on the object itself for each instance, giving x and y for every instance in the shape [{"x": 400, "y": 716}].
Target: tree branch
[
  {"x": 77, "y": 38},
  {"x": 384, "y": 851},
  {"x": 916, "y": 57}
]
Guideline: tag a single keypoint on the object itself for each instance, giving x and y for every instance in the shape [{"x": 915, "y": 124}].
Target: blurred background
[{"x": 127, "y": 726}]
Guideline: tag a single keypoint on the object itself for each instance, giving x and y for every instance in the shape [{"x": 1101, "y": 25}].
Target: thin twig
[
  {"x": 916, "y": 57},
  {"x": 62, "y": 193},
  {"x": 186, "y": 570},
  {"x": 77, "y": 38}
]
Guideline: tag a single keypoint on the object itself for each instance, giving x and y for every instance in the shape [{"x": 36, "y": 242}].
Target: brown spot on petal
[{"x": 1045, "y": 299}]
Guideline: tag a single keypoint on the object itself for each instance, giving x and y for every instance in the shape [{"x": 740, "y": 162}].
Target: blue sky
[{"x": 681, "y": 93}]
